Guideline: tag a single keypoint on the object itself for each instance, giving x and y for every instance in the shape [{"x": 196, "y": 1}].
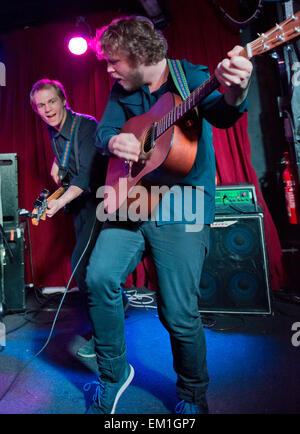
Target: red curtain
[{"x": 195, "y": 33}]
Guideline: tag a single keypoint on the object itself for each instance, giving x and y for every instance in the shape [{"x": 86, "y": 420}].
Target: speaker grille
[
  {"x": 9, "y": 190},
  {"x": 12, "y": 271},
  {"x": 235, "y": 276}
]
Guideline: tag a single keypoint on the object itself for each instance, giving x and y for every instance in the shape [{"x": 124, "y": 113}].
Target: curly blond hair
[{"x": 135, "y": 36}]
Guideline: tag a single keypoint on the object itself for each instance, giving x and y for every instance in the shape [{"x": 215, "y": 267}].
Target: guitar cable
[{"x": 54, "y": 320}]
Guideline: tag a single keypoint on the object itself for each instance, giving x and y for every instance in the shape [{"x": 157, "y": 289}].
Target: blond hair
[
  {"x": 46, "y": 83},
  {"x": 135, "y": 36}
]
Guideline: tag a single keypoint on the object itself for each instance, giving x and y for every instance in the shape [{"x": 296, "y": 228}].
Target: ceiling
[
  {"x": 19, "y": 13},
  {"x": 16, "y": 14}
]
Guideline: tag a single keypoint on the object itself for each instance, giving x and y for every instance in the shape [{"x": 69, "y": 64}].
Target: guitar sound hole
[
  {"x": 136, "y": 169},
  {"x": 149, "y": 141}
]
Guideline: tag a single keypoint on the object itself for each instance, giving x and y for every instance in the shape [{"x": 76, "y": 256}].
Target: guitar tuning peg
[
  {"x": 37, "y": 203},
  {"x": 44, "y": 193},
  {"x": 262, "y": 35}
]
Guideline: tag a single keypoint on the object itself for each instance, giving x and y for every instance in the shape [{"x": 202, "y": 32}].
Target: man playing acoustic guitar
[{"x": 136, "y": 58}]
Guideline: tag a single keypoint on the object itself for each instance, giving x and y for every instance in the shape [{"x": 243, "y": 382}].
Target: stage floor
[{"x": 253, "y": 360}]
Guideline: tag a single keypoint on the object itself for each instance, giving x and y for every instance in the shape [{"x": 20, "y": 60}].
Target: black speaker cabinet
[
  {"x": 235, "y": 276},
  {"x": 12, "y": 280},
  {"x": 9, "y": 190},
  {"x": 2, "y": 295}
]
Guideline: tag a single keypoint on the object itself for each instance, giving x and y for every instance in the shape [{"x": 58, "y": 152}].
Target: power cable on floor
[{"x": 53, "y": 324}]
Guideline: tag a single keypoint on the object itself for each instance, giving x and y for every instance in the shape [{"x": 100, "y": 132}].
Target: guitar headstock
[
  {"x": 40, "y": 206},
  {"x": 41, "y": 203},
  {"x": 278, "y": 35}
]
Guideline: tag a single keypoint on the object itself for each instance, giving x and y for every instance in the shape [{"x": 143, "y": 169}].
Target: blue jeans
[{"x": 178, "y": 256}]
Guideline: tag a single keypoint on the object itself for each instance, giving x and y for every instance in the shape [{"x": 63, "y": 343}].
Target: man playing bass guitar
[{"x": 78, "y": 168}]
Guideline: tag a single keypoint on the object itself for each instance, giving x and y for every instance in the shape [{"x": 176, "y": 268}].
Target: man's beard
[{"x": 133, "y": 81}]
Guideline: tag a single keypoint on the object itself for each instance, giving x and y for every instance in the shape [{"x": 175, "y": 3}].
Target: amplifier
[
  {"x": 236, "y": 198},
  {"x": 235, "y": 276},
  {"x": 9, "y": 190},
  {"x": 12, "y": 275}
]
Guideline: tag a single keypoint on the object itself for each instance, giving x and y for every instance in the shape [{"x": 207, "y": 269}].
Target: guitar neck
[
  {"x": 278, "y": 35},
  {"x": 59, "y": 192},
  {"x": 186, "y": 105}
]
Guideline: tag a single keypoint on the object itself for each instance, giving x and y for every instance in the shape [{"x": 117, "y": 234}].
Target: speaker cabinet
[
  {"x": 9, "y": 190},
  {"x": 235, "y": 276},
  {"x": 2, "y": 294},
  {"x": 12, "y": 280}
]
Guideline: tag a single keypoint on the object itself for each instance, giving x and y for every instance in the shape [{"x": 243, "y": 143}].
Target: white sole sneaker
[{"x": 123, "y": 388}]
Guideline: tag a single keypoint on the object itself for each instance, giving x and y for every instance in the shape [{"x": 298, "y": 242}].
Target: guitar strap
[
  {"x": 180, "y": 82},
  {"x": 76, "y": 145},
  {"x": 63, "y": 168},
  {"x": 179, "y": 78}
]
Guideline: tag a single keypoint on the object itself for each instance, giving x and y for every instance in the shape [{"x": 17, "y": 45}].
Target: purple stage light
[{"x": 78, "y": 45}]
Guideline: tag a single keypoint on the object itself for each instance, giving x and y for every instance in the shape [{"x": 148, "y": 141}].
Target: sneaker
[
  {"x": 108, "y": 394},
  {"x": 185, "y": 407},
  {"x": 88, "y": 349}
]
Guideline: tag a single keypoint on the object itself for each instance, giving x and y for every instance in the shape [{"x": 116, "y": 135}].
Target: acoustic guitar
[{"x": 168, "y": 132}]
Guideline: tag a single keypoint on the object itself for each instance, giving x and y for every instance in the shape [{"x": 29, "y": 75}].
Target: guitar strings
[
  {"x": 177, "y": 112},
  {"x": 262, "y": 38},
  {"x": 258, "y": 42}
]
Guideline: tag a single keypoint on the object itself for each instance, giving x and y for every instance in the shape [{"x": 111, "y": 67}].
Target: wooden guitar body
[{"x": 170, "y": 159}]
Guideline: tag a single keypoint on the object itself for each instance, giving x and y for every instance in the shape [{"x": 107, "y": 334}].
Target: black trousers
[{"x": 87, "y": 228}]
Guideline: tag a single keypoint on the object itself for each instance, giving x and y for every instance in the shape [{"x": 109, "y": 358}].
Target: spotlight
[
  {"x": 79, "y": 41},
  {"x": 78, "y": 45}
]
